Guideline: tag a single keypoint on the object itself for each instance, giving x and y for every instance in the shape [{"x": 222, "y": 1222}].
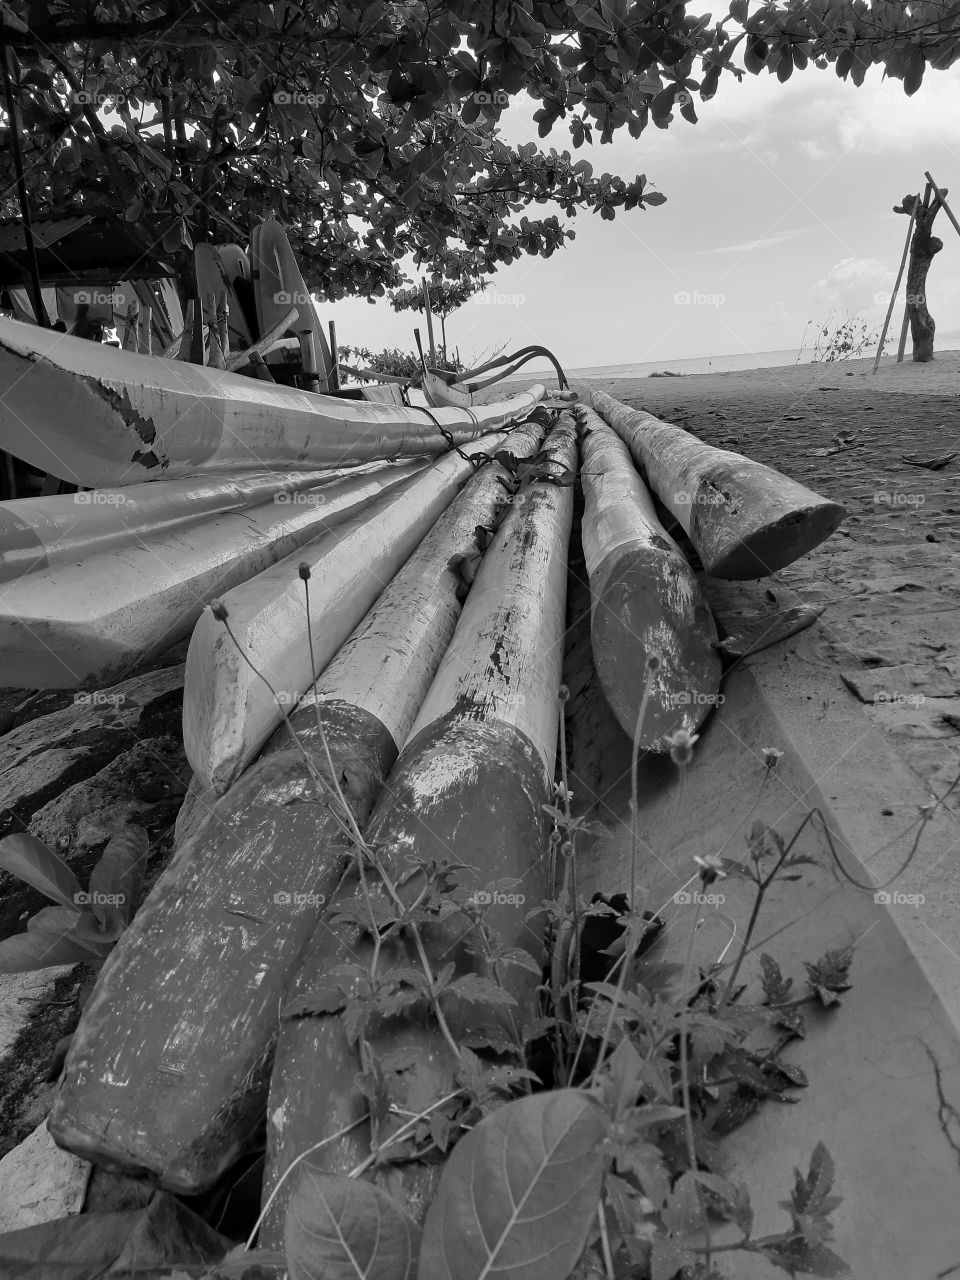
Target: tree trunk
[{"x": 922, "y": 251}]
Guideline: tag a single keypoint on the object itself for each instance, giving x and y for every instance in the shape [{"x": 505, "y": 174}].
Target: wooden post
[
  {"x": 896, "y": 287},
  {"x": 429, "y": 314},
  {"x": 334, "y": 358},
  {"x": 308, "y": 357}
]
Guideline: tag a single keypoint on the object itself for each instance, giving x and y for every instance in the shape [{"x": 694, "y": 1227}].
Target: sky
[{"x": 779, "y": 212}]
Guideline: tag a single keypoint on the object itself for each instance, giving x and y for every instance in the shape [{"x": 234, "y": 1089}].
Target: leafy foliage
[
  {"x": 339, "y": 1228},
  {"x": 83, "y": 926}
]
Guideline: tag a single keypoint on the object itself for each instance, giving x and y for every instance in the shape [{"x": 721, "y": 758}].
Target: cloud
[
  {"x": 764, "y": 242},
  {"x": 855, "y": 284}
]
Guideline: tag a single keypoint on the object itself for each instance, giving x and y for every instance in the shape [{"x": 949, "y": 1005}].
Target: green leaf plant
[{"x": 82, "y": 925}]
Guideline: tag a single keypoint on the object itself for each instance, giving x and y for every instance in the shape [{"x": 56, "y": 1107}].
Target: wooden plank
[
  {"x": 197, "y": 979},
  {"x": 72, "y": 625},
  {"x": 645, "y": 599},
  {"x": 229, "y": 711},
  {"x": 136, "y": 418},
  {"x": 744, "y": 519},
  {"x": 469, "y": 788}
]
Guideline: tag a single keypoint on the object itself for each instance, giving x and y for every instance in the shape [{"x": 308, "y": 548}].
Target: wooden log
[
  {"x": 744, "y": 519},
  {"x": 645, "y": 598},
  {"x": 229, "y": 711},
  {"x": 468, "y": 788},
  {"x": 72, "y": 625},
  {"x": 136, "y": 418},
  {"x": 36, "y": 533},
  {"x": 169, "y": 1068}
]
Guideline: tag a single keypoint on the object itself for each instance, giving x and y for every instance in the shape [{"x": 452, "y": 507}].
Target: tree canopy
[{"x": 370, "y": 127}]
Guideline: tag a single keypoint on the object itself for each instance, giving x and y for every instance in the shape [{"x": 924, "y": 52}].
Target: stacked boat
[
  {"x": 375, "y": 599},
  {"x": 394, "y": 631}
]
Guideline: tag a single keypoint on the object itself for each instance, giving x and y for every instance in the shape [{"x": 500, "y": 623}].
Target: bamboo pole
[
  {"x": 902, "y": 345},
  {"x": 942, "y": 197},
  {"x": 896, "y": 287}
]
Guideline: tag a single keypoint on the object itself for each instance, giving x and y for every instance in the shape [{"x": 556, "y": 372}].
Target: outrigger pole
[{"x": 13, "y": 117}]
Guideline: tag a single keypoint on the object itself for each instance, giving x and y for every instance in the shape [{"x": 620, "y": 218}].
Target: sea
[
  {"x": 695, "y": 364},
  {"x": 947, "y": 341}
]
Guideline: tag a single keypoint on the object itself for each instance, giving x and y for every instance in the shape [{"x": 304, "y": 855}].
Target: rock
[
  {"x": 39, "y": 1182},
  {"x": 40, "y": 759}
]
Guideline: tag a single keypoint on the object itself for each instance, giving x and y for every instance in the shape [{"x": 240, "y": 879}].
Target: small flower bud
[
  {"x": 652, "y": 663},
  {"x": 304, "y": 570},
  {"x": 219, "y": 610},
  {"x": 563, "y": 693}
]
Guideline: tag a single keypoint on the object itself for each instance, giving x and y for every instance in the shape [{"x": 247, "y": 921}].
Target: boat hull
[
  {"x": 204, "y": 965},
  {"x": 469, "y": 788},
  {"x": 92, "y": 623},
  {"x": 94, "y": 415},
  {"x": 645, "y": 601},
  {"x": 745, "y": 519}
]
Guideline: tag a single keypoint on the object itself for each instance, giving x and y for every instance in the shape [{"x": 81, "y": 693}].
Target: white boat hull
[{"x": 94, "y": 415}]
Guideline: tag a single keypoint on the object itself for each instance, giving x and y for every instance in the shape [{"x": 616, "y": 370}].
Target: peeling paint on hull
[
  {"x": 644, "y": 599},
  {"x": 469, "y": 786},
  {"x": 745, "y": 519},
  {"x": 94, "y": 415}
]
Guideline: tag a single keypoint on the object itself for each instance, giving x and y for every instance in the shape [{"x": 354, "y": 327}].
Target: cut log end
[
  {"x": 635, "y": 596},
  {"x": 774, "y": 545}
]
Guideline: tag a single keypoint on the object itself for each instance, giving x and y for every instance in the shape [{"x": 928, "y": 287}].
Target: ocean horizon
[{"x": 730, "y": 363}]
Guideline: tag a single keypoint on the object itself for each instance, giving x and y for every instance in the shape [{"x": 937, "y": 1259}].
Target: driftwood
[{"x": 744, "y": 519}]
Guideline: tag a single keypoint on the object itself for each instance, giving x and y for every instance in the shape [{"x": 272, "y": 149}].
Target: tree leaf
[
  {"x": 340, "y": 1228},
  {"x": 519, "y": 1193},
  {"x": 119, "y": 874},
  {"x": 29, "y": 859},
  {"x": 26, "y": 951}
]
